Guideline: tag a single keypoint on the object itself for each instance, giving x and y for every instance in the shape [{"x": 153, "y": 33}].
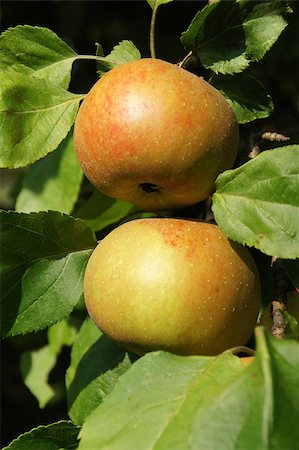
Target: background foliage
[{"x": 81, "y": 24}]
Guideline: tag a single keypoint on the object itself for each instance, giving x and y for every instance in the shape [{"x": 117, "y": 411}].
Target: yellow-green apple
[
  {"x": 172, "y": 284},
  {"x": 247, "y": 360},
  {"x": 154, "y": 134}
]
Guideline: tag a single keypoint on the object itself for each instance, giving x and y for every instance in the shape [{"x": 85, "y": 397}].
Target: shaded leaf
[
  {"x": 42, "y": 267},
  {"x": 53, "y": 182},
  {"x": 29, "y": 238},
  {"x": 37, "y": 52},
  {"x": 50, "y": 290},
  {"x": 227, "y": 36},
  {"x": 96, "y": 365},
  {"x": 100, "y": 211},
  {"x": 56, "y": 436},
  {"x": 246, "y": 95},
  {"x": 35, "y": 116},
  {"x": 122, "y": 53},
  {"x": 257, "y": 204}
]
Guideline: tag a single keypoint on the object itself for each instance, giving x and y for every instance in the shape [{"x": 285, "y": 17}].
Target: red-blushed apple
[
  {"x": 154, "y": 134},
  {"x": 172, "y": 284}
]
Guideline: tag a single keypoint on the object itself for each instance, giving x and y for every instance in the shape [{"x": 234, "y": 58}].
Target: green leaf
[
  {"x": 43, "y": 261},
  {"x": 292, "y": 326},
  {"x": 60, "y": 334},
  {"x": 56, "y": 436},
  {"x": 257, "y": 204},
  {"x": 29, "y": 238},
  {"x": 53, "y": 182},
  {"x": 145, "y": 399},
  {"x": 171, "y": 402},
  {"x": 35, "y": 368},
  {"x": 263, "y": 24},
  {"x": 36, "y": 365},
  {"x": 35, "y": 116},
  {"x": 101, "y": 211},
  {"x": 155, "y": 3},
  {"x": 227, "y": 36},
  {"x": 246, "y": 95},
  {"x": 37, "y": 52},
  {"x": 122, "y": 53},
  {"x": 50, "y": 290},
  {"x": 96, "y": 365}
]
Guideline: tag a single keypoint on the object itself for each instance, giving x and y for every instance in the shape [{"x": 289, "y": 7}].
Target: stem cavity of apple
[{"x": 149, "y": 187}]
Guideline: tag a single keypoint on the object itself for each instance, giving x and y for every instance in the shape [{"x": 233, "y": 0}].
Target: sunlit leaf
[
  {"x": 155, "y": 3},
  {"x": 37, "y": 52},
  {"x": 257, "y": 204},
  {"x": 165, "y": 401},
  {"x": 35, "y": 368},
  {"x": 122, "y": 53},
  {"x": 35, "y": 116}
]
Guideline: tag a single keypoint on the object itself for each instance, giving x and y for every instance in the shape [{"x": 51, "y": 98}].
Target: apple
[
  {"x": 247, "y": 360},
  {"x": 172, "y": 284},
  {"x": 154, "y": 134}
]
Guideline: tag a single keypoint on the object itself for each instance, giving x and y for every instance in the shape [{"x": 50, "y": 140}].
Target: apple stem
[
  {"x": 152, "y": 32},
  {"x": 240, "y": 349},
  {"x": 185, "y": 59}
]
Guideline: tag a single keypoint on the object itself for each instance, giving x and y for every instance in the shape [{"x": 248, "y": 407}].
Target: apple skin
[
  {"x": 247, "y": 360},
  {"x": 172, "y": 284},
  {"x": 153, "y": 134}
]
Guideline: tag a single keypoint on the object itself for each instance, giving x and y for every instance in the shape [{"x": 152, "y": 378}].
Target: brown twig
[
  {"x": 274, "y": 137},
  {"x": 279, "y": 303},
  {"x": 255, "y": 139},
  {"x": 255, "y": 150}
]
